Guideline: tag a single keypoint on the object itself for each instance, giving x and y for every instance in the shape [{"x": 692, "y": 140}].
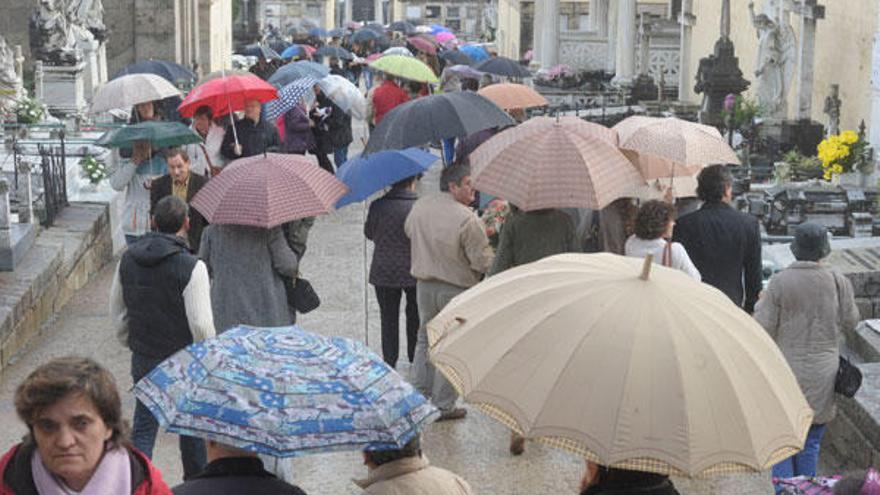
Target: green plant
[
  {"x": 93, "y": 169},
  {"x": 743, "y": 112},
  {"x": 28, "y": 111}
]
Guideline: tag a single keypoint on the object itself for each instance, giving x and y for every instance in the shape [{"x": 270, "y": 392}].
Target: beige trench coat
[
  {"x": 805, "y": 309},
  {"x": 413, "y": 476}
]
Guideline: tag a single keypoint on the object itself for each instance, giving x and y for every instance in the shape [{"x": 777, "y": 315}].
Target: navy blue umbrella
[
  {"x": 366, "y": 175},
  {"x": 502, "y": 66},
  {"x": 260, "y": 51},
  {"x": 334, "y": 51},
  {"x": 318, "y": 32},
  {"x": 403, "y": 27},
  {"x": 172, "y": 72},
  {"x": 365, "y": 34},
  {"x": 455, "y": 57},
  {"x": 337, "y": 33}
]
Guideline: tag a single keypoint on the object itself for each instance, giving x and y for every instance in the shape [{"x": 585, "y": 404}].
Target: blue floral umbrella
[{"x": 284, "y": 392}]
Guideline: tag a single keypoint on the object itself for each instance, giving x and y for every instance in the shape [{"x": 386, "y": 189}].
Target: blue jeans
[
  {"x": 368, "y": 79},
  {"x": 448, "y": 151},
  {"x": 340, "y": 156},
  {"x": 804, "y": 462},
  {"x": 145, "y": 427}
]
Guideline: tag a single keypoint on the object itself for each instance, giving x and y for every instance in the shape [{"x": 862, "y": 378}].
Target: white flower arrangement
[
  {"x": 93, "y": 169},
  {"x": 29, "y": 111}
]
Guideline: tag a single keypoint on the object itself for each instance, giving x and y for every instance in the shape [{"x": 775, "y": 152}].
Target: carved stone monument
[
  {"x": 54, "y": 38},
  {"x": 832, "y": 109},
  {"x": 718, "y": 74},
  {"x": 11, "y": 89},
  {"x": 644, "y": 87},
  {"x": 15, "y": 238},
  {"x": 776, "y": 60},
  {"x": 87, "y": 22}
]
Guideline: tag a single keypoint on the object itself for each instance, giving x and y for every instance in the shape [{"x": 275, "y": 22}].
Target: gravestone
[
  {"x": 719, "y": 74},
  {"x": 15, "y": 238}
]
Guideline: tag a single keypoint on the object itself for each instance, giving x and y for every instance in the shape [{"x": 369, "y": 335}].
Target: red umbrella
[
  {"x": 268, "y": 190},
  {"x": 227, "y": 94},
  {"x": 423, "y": 45}
]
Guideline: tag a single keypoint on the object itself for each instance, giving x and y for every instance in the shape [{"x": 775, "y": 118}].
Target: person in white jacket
[
  {"x": 160, "y": 302},
  {"x": 653, "y": 231},
  {"x": 134, "y": 175}
]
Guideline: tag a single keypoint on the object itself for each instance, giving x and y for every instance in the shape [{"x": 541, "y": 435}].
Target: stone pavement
[{"x": 475, "y": 447}]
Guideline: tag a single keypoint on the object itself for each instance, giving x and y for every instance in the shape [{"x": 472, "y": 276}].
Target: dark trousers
[
  {"x": 324, "y": 162},
  {"x": 389, "y": 311},
  {"x": 145, "y": 427}
]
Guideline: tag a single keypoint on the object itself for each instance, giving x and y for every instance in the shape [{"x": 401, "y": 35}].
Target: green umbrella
[
  {"x": 405, "y": 67},
  {"x": 160, "y": 134}
]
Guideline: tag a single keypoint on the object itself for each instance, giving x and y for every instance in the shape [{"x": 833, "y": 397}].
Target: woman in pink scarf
[{"x": 77, "y": 439}]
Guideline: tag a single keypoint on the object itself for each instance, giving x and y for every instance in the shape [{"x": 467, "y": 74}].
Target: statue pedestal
[
  {"x": 63, "y": 88},
  {"x": 718, "y": 76},
  {"x": 91, "y": 73}
]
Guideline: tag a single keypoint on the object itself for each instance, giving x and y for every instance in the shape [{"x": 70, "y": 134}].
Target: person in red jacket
[
  {"x": 386, "y": 97},
  {"x": 77, "y": 441}
]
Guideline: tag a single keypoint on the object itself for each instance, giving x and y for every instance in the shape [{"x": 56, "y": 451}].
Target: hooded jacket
[{"x": 160, "y": 298}]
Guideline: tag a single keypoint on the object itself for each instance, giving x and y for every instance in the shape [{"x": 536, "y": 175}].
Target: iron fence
[{"x": 51, "y": 185}]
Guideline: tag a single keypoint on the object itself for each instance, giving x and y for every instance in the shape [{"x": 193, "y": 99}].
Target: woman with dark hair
[
  {"x": 77, "y": 437},
  {"x": 600, "y": 480},
  {"x": 653, "y": 229}
]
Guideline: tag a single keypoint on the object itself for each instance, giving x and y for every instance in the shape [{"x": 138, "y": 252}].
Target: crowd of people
[{"x": 182, "y": 281}]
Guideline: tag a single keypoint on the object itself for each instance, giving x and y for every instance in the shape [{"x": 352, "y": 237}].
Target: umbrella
[
  {"x": 318, "y": 32},
  {"x": 456, "y": 57},
  {"x": 284, "y": 392},
  {"x": 289, "y": 96},
  {"x": 279, "y": 45},
  {"x": 422, "y": 45},
  {"x": 433, "y": 118},
  {"x": 297, "y": 32},
  {"x": 375, "y": 27},
  {"x": 366, "y": 175},
  {"x": 465, "y": 71},
  {"x": 679, "y": 142},
  {"x": 129, "y": 90},
  {"x": 217, "y": 74},
  {"x": 475, "y": 52},
  {"x": 286, "y": 74},
  {"x": 227, "y": 94},
  {"x": 268, "y": 190},
  {"x": 554, "y": 163},
  {"x": 336, "y": 33},
  {"x": 161, "y": 134},
  {"x": 260, "y": 51},
  {"x": 511, "y": 96},
  {"x": 293, "y": 51},
  {"x": 445, "y": 37},
  {"x": 423, "y": 29},
  {"x": 364, "y": 35},
  {"x": 438, "y": 28},
  {"x": 402, "y": 27},
  {"x": 398, "y": 50},
  {"x": 502, "y": 66},
  {"x": 170, "y": 71},
  {"x": 656, "y": 373},
  {"x": 346, "y": 95},
  {"x": 406, "y": 67},
  {"x": 334, "y": 51}
]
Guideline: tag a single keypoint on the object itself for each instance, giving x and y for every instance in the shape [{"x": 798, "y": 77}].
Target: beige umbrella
[
  {"x": 131, "y": 89},
  {"x": 554, "y": 163},
  {"x": 655, "y": 373},
  {"x": 511, "y": 96}
]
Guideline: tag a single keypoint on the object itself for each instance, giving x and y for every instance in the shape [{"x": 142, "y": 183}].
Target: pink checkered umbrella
[
  {"x": 268, "y": 190},
  {"x": 554, "y": 163},
  {"x": 678, "y": 141}
]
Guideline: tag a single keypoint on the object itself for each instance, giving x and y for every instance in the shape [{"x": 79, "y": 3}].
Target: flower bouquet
[
  {"x": 843, "y": 153},
  {"x": 493, "y": 218},
  {"x": 28, "y": 111},
  {"x": 93, "y": 169}
]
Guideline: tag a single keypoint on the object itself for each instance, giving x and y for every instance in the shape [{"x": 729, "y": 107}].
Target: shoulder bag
[{"x": 849, "y": 377}]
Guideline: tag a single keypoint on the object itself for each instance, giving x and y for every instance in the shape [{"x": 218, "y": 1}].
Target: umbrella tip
[{"x": 646, "y": 267}]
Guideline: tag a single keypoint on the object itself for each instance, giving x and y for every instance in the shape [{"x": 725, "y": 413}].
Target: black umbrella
[
  {"x": 433, "y": 118},
  {"x": 502, "y": 66},
  {"x": 403, "y": 27},
  {"x": 337, "y": 33},
  {"x": 260, "y": 51},
  {"x": 334, "y": 51},
  {"x": 455, "y": 57},
  {"x": 278, "y": 44},
  {"x": 174, "y": 73},
  {"x": 365, "y": 34},
  {"x": 375, "y": 27}
]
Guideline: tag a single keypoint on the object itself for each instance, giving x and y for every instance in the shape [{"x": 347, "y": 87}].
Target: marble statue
[
  {"x": 832, "y": 109},
  {"x": 776, "y": 61},
  {"x": 90, "y": 15},
  {"x": 10, "y": 80},
  {"x": 51, "y": 37}
]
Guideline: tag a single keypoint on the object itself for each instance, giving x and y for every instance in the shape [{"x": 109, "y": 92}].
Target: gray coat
[
  {"x": 805, "y": 309},
  {"x": 246, "y": 266}
]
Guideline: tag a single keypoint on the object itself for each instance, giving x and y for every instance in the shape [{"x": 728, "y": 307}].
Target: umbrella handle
[{"x": 229, "y": 106}]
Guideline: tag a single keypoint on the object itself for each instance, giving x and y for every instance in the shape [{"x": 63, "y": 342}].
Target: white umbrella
[
  {"x": 345, "y": 94},
  {"x": 129, "y": 90},
  {"x": 398, "y": 50}
]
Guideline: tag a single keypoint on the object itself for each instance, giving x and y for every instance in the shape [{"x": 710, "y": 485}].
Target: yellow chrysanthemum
[{"x": 849, "y": 137}]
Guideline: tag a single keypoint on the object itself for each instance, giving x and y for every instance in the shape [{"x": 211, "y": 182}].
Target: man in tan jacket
[
  {"x": 407, "y": 472},
  {"x": 450, "y": 253}
]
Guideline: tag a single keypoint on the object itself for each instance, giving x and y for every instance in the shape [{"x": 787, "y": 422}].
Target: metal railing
[{"x": 52, "y": 155}]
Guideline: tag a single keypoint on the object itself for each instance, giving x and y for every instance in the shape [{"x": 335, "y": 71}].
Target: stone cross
[
  {"x": 686, "y": 20},
  {"x": 832, "y": 109},
  {"x": 725, "y": 19},
  {"x": 26, "y": 193},
  {"x": 810, "y": 12},
  {"x": 5, "y": 209},
  {"x": 644, "y": 45}
]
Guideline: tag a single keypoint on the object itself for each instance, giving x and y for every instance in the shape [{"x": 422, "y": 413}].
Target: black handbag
[
  {"x": 849, "y": 378},
  {"x": 301, "y": 296}
]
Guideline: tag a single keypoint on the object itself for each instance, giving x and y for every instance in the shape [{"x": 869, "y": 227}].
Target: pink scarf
[{"x": 112, "y": 476}]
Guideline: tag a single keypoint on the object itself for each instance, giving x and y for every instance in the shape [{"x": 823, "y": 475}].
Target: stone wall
[{"x": 61, "y": 261}]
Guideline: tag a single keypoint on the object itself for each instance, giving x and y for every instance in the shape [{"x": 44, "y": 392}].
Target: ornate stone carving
[
  {"x": 10, "y": 79},
  {"x": 52, "y": 39}
]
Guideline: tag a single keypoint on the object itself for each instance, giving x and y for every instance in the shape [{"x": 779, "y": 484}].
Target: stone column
[
  {"x": 810, "y": 13},
  {"x": 611, "y": 53},
  {"x": 25, "y": 194},
  {"x": 92, "y": 77},
  {"x": 625, "y": 66},
  {"x": 550, "y": 34},
  {"x": 38, "y": 80},
  {"x": 537, "y": 29},
  {"x": 377, "y": 12},
  {"x": 686, "y": 20},
  {"x": 874, "y": 135},
  {"x": 5, "y": 210},
  {"x": 349, "y": 12},
  {"x": 599, "y": 17}
]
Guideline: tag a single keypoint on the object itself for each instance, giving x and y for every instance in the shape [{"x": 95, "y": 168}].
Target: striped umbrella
[
  {"x": 289, "y": 96},
  {"x": 554, "y": 163},
  {"x": 268, "y": 190}
]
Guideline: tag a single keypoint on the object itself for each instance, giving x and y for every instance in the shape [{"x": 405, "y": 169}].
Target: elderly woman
[
  {"x": 600, "y": 480},
  {"x": 654, "y": 224},
  {"x": 77, "y": 439},
  {"x": 805, "y": 309}
]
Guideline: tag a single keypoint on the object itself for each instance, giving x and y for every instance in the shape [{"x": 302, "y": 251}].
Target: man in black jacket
[
  {"x": 724, "y": 244},
  {"x": 182, "y": 183},
  {"x": 255, "y": 135},
  {"x": 160, "y": 302}
]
